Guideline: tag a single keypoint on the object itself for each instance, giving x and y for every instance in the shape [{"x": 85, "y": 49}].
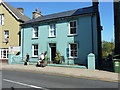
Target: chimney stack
[
  {"x": 95, "y": 2},
  {"x": 36, "y": 14},
  {"x": 20, "y": 10}
]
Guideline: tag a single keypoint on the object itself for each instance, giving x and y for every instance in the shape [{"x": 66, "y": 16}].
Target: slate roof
[
  {"x": 63, "y": 14},
  {"x": 19, "y": 15}
]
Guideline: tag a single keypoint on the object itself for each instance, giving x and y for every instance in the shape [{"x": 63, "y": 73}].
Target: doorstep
[
  {"x": 56, "y": 65},
  {"x": 72, "y": 66}
]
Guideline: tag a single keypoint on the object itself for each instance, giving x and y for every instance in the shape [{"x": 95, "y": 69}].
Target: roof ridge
[
  {"x": 15, "y": 12},
  {"x": 64, "y": 14},
  {"x": 65, "y": 11}
]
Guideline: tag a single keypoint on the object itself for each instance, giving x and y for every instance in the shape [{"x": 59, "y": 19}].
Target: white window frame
[
  {"x": 53, "y": 30},
  {"x": 1, "y": 19},
  {"x": 34, "y": 31},
  {"x": 33, "y": 55},
  {"x": 2, "y": 54},
  {"x": 73, "y": 27},
  {"x": 70, "y": 50}
]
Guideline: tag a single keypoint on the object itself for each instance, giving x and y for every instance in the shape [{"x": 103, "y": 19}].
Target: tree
[{"x": 107, "y": 48}]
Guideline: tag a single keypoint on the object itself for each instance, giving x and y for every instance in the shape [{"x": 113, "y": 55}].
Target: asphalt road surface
[{"x": 18, "y": 79}]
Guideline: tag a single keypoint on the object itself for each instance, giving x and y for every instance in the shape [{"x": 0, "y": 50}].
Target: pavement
[{"x": 65, "y": 71}]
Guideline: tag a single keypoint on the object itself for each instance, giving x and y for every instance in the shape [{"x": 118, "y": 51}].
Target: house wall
[
  {"x": 0, "y": 28},
  {"x": 86, "y": 24},
  {"x": 10, "y": 24}
]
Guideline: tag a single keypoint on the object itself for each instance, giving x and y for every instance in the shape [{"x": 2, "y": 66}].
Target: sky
[{"x": 105, "y": 8}]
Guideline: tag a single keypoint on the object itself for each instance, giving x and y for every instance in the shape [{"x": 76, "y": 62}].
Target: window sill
[
  {"x": 34, "y": 56},
  {"x": 70, "y": 35},
  {"x": 52, "y": 37},
  {"x": 4, "y": 58},
  {"x": 73, "y": 57},
  {"x": 34, "y": 37}
]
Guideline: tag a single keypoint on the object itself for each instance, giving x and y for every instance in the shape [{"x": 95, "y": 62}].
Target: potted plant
[
  {"x": 58, "y": 58},
  {"x": 46, "y": 58}
]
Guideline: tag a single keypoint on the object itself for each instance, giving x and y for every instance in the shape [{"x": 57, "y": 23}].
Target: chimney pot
[
  {"x": 36, "y": 14},
  {"x": 95, "y": 2},
  {"x": 36, "y": 9},
  {"x": 40, "y": 11}
]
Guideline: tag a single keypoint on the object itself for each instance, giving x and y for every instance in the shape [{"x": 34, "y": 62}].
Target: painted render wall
[
  {"x": 62, "y": 39},
  {"x": 10, "y": 24}
]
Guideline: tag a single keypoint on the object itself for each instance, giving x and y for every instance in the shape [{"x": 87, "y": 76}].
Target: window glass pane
[
  {"x": 35, "y": 46},
  {"x": 50, "y": 26},
  {"x": 0, "y": 19},
  {"x": 72, "y": 53},
  {"x": 52, "y": 31},
  {"x": 4, "y": 54},
  {"x": 35, "y": 32},
  {"x": 73, "y": 24},
  {"x": 7, "y": 53},
  {"x": 6, "y": 33},
  {"x": 73, "y": 31},
  {"x": 73, "y": 50},
  {"x": 35, "y": 50},
  {"x": 74, "y": 46},
  {"x": 73, "y": 27}
]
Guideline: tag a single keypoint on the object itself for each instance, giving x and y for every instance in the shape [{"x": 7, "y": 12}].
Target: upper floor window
[
  {"x": 1, "y": 19},
  {"x": 35, "y": 32},
  {"x": 52, "y": 30},
  {"x": 72, "y": 27},
  {"x": 6, "y": 36},
  {"x": 35, "y": 50},
  {"x": 73, "y": 50}
]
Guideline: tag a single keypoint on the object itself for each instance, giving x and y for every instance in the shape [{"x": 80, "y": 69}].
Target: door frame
[{"x": 50, "y": 44}]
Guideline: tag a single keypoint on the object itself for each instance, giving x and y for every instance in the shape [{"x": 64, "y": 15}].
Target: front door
[{"x": 52, "y": 52}]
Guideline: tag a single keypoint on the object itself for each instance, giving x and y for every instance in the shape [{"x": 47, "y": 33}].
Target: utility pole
[{"x": 117, "y": 26}]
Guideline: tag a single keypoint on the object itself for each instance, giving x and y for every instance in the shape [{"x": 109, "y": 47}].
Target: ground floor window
[
  {"x": 73, "y": 50},
  {"x": 35, "y": 50},
  {"x": 4, "y": 53}
]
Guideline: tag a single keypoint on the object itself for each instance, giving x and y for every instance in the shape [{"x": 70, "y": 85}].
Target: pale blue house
[{"x": 74, "y": 34}]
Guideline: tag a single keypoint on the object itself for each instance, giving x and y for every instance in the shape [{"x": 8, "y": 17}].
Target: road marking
[{"x": 32, "y": 86}]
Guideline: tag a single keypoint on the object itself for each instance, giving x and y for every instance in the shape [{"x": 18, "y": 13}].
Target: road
[{"x": 19, "y": 79}]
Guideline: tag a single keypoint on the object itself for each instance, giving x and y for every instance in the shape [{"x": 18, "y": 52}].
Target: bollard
[
  {"x": 91, "y": 61},
  {"x": 10, "y": 57}
]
